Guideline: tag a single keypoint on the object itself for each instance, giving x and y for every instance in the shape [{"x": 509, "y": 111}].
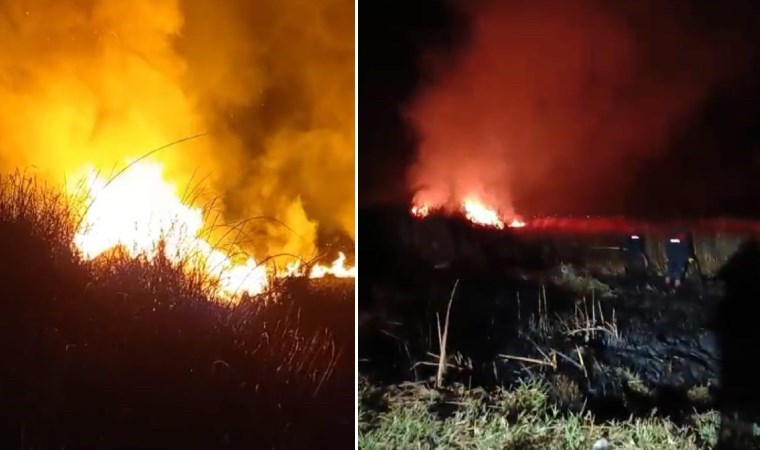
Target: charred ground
[{"x": 558, "y": 311}]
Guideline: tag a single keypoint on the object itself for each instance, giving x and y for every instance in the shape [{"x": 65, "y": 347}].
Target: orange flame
[
  {"x": 421, "y": 210},
  {"x": 139, "y": 209},
  {"x": 337, "y": 269},
  {"x": 481, "y": 214},
  {"x": 476, "y": 212}
]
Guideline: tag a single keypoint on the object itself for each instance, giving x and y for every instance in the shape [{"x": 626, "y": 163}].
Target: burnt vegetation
[
  {"x": 473, "y": 328},
  {"x": 129, "y": 353}
]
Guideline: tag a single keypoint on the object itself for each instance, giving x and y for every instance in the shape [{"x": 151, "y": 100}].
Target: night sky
[{"x": 709, "y": 167}]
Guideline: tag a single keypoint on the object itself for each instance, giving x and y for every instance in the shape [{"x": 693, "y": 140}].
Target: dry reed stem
[{"x": 444, "y": 338}]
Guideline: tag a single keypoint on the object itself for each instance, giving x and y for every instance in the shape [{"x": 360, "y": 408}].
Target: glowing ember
[
  {"x": 516, "y": 223},
  {"x": 421, "y": 210},
  {"x": 480, "y": 214},
  {"x": 337, "y": 269},
  {"x": 138, "y": 210}
]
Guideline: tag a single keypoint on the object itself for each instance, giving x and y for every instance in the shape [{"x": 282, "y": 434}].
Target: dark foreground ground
[
  {"x": 125, "y": 354},
  {"x": 540, "y": 352}
]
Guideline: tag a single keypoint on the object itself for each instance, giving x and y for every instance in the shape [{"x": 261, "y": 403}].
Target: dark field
[
  {"x": 121, "y": 353},
  {"x": 547, "y": 332}
]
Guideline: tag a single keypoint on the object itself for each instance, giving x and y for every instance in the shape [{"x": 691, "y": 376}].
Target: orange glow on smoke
[
  {"x": 256, "y": 101},
  {"x": 552, "y": 125},
  {"x": 139, "y": 209}
]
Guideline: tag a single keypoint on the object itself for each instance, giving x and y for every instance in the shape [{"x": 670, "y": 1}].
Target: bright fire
[
  {"x": 421, "y": 210},
  {"x": 138, "y": 209},
  {"x": 476, "y": 212},
  {"x": 337, "y": 269},
  {"x": 481, "y": 214}
]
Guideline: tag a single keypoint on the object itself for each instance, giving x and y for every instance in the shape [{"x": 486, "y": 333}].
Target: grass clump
[
  {"x": 580, "y": 283},
  {"x": 523, "y": 417}
]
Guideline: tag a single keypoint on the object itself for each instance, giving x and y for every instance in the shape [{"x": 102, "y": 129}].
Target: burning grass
[
  {"x": 136, "y": 351},
  {"x": 143, "y": 215}
]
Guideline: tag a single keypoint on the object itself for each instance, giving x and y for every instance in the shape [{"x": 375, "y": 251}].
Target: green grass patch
[{"x": 523, "y": 418}]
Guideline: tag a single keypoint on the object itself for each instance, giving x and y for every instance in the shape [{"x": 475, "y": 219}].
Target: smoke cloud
[
  {"x": 95, "y": 83},
  {"x": 550, "y": 104}
]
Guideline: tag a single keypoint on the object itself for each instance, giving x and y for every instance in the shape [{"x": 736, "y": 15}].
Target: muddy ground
[{"x": 611, "y": 342}]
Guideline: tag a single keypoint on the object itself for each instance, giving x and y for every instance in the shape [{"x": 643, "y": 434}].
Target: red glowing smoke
[{"x": 552, "y": 103}]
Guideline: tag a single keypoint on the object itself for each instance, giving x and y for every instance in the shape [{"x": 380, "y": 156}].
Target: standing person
[
  {"x": 679, "y": 253},
  {"x": 636, "y": 261}
]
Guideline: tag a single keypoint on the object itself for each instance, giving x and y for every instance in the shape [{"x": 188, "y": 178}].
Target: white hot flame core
[{"x": 139, "y": 210}]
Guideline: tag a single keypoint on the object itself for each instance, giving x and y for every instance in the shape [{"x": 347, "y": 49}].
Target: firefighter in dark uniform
[
  {"x": 679, "y": 252},
  {"x": 636, "y": 261}
]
